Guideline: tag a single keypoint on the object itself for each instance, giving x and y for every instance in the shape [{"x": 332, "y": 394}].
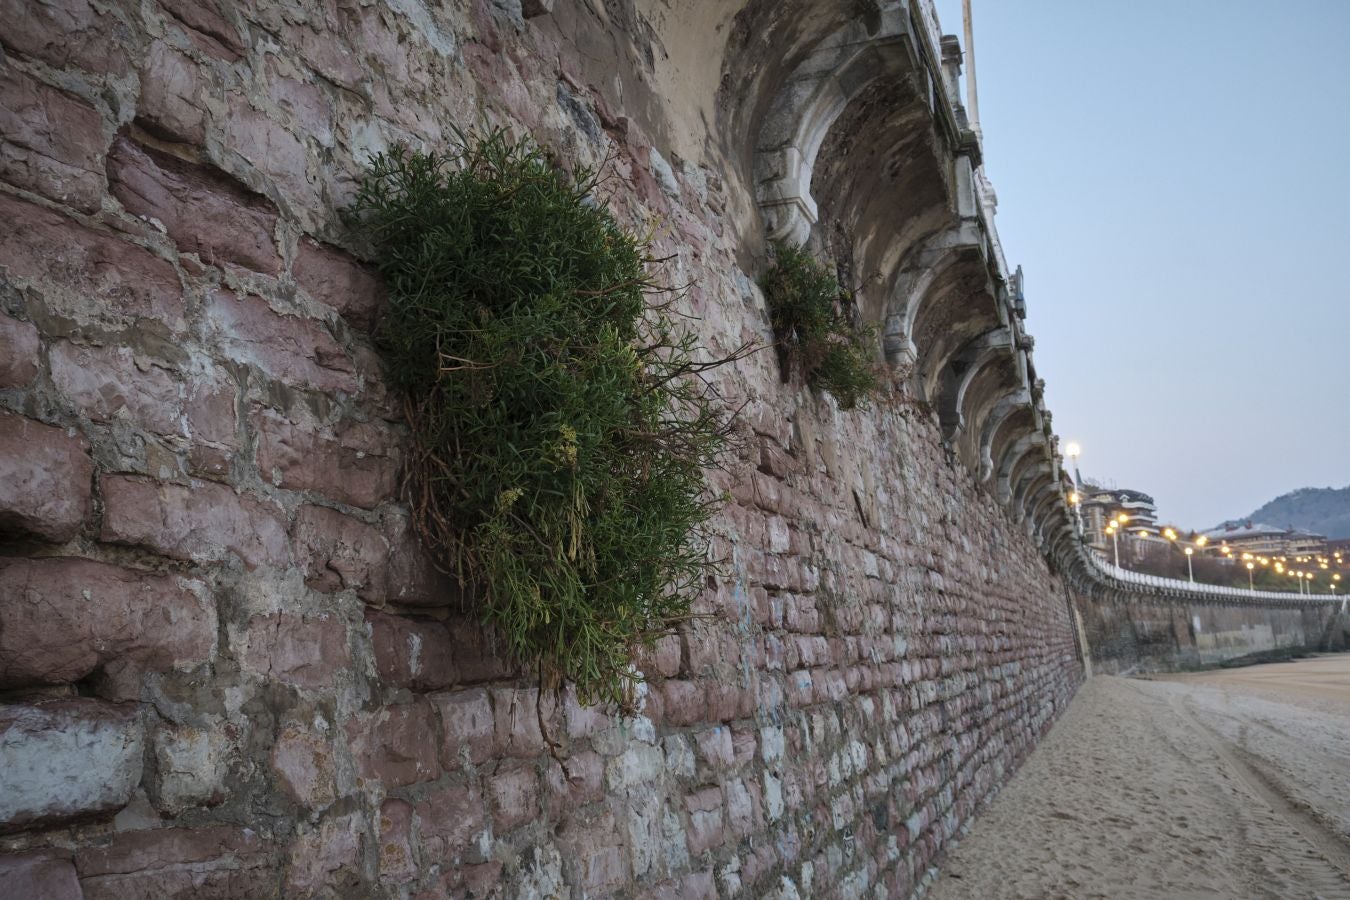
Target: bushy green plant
[
  {"x": 812, "y": 330},
  {"x": 561, "y": 427}
]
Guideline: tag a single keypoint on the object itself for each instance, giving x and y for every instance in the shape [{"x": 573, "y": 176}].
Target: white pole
[{"x": 972, "y": 98}]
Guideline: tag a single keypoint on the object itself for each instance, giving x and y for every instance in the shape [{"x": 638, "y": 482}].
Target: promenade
[{"x": 1225, "y": 784}]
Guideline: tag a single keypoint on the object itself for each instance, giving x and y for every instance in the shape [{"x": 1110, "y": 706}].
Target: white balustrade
[{"x": 1204, "y": 590}]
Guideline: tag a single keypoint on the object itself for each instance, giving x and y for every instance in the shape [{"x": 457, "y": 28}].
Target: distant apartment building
[
  {"x": 1100, "y": 507},
  {"x": 1267, "y": 540}
]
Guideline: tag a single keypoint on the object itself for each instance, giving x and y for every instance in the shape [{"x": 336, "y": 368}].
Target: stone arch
[
  {"x": 1027, "y": 443},
  {"x": 1020, "y": 421},
  {"x": 1054, "y": 509},
  {"x": 960, "y": 308},
  {"x": 994, "y": 381},
  {"x": 1021, "y": 469},
  {"x": 1040, "y": 501},
  {"x": 1036, "y": 475},
  {"x": 1058, "y": 540},
  {"x": 808, "y": 102},
  {"x": 918, "y": 275},
  {"x": 961, "y": 371},
  {"x": 883, "y": 183},
  {"x": 1014, "y": 399}
]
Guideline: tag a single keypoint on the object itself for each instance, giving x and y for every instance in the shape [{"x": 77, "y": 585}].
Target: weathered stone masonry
[
  {"x": 1133, "y": 628},
  {"x": 226, "y": 668}
]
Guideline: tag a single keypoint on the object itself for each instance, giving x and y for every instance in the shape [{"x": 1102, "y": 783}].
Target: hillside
[{"x": 1321, "y": 510}]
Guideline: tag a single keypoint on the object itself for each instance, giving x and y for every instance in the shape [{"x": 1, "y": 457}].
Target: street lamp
[
  {"x": 1117, "y": 525},
  {"x": 1251, "y": 586},
  {"x": 1073, "y": 451},
  {"x": 1171, "y": 535}
]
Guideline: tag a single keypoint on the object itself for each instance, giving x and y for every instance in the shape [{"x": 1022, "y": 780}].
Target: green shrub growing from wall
[
  {"x": 813, "y": 332},
  {"x": 560, "y": 423}
]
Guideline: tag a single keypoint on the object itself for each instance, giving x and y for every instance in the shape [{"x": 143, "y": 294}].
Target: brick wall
[{"x": 227, "y": 669}]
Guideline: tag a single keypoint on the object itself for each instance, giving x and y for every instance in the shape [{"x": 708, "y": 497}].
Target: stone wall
[
  {"x": 1132, "y": 631},
  {"x": 228, "y": 670}
]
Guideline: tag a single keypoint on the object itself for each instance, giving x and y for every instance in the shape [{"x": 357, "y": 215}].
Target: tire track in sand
[{"x": 1328, "y": 873}]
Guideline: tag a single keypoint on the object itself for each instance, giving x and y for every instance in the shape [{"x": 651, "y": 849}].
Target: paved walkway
[{"x": 1229, "y": 784}]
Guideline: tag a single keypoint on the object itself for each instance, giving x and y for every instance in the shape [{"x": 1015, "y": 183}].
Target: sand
[{"x": 1227, "y": 784}]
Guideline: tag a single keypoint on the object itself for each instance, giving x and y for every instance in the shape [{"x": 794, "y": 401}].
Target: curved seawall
[{"x": 227, "y": 667}]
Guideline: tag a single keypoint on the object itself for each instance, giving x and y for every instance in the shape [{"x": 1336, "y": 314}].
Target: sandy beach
[{"x": 1225, "y": 784}]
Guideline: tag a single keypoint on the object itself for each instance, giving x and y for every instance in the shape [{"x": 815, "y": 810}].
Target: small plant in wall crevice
[
  {"x": 561, "y": 422},
  {"x": 807, "y": 309}
]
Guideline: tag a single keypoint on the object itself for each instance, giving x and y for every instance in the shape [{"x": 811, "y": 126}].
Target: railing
[{"x": 1211, "y": 590}]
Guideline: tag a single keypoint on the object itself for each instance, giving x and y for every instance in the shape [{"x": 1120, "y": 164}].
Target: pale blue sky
[{"x": 1172, "y": 176}]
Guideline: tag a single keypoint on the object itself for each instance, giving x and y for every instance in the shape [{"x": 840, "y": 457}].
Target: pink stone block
[
  {"x": 306, "y": 651},
  {"x": 200, "y": 523},
  {"x": 51, "y": 142},
  {"x": 45, "y": 479},
  {"x": 469, "y": 727},
  {"x": 184, "y": 198},
  {"x": 339, "y": 552},
  {"x": 355, "y": 463},
  {"x": 97, "y": 275},
  {"x": 61, "y": 619},
  {"x": 334, "y": 277},
  {"x": 18, "y": 352},
  {"x": 291, "y": 349},
  {"x": 396, "y": 745}
]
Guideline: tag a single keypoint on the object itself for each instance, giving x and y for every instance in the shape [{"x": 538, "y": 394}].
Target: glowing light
[{"x": 1072, "y": 450}]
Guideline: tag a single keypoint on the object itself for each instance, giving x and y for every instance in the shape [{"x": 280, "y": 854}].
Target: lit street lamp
[
  {"x": 1251, "y": 586},
  {"x": 1116, "y": 525},
  {"x": 1073, "y": 451},
  {"x": 1171, "y": 535}
]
